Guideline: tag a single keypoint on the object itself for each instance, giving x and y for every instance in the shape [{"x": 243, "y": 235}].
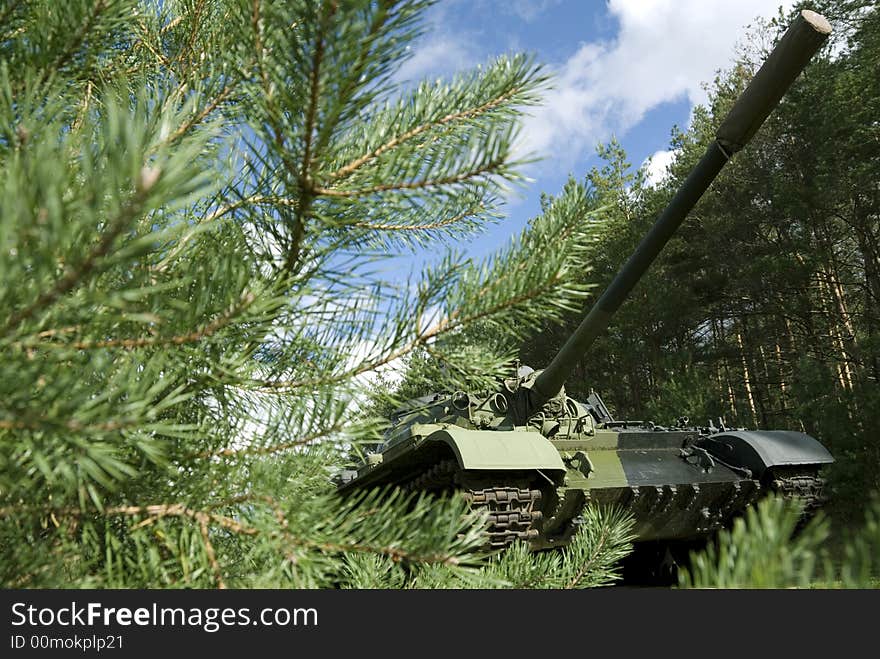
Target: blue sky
[{"x": 631, "y": 69}]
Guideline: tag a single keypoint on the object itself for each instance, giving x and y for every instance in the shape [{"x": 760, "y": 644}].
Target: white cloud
[
  {"x": 664, "y": 51},
  {"x": 438, "y": 55},
  {"x": 441, "y": 51},
  {"x": 657, "y": 166},
  {"x": 528, "y": 10}
]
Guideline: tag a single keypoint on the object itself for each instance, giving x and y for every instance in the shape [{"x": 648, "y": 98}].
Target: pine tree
[
  {"x": 200, "y": 203},
  {"x": 772, "y": 548}
]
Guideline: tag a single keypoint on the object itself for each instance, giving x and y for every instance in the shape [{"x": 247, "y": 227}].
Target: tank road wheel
[{"x": 513, "y": 501}]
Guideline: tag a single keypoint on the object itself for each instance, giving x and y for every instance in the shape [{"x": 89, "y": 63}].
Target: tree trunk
[{"x": 747, "y": 379}]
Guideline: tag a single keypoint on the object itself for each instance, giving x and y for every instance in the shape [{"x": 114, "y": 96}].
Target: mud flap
[
  {"x": 759, "y": 450},
  {"x": 500, "y": 450}
]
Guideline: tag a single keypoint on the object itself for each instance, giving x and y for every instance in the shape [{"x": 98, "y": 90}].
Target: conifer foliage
[{"x": 198, "y": 199}]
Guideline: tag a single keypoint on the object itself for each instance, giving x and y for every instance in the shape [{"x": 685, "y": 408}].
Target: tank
[{"x": 533, "y": 457}]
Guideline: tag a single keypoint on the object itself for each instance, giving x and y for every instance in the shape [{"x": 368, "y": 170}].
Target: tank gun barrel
[{"x": 797, "y": 46}]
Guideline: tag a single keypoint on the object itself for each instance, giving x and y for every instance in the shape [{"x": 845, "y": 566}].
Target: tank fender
[
  {"x": 758, "y": 450},
  {"x": 500, "y": 449}
]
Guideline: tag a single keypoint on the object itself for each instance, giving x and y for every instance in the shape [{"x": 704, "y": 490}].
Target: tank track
[
  {"x": 803, "y": 484},
  {"x": 513, "y": 511},
  {"x": 435, "y": 479}
]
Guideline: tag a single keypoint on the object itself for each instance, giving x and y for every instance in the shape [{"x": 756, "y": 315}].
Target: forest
[{"x": 199, "y": 326}]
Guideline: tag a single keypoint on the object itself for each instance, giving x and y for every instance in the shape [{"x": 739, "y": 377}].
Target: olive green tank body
[{"x": 535, "y": 479}]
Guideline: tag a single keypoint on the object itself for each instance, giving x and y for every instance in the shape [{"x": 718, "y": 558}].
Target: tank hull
[{"x": 677, "y": 484}]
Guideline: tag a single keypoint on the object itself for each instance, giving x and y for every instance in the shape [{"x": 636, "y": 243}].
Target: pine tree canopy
[{"x": 200, "y": 203}]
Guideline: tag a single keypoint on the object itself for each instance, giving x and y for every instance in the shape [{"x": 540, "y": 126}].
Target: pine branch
[
  {"x": 288, "y": 202},
  {"x": 78, "y": 39},
  {"x": 272, "y": 200},
  {"x": 430, "y": 226},
  {"x": 8, "y": 10},
  {"x": 268, "y": 93},
  {"x": 354, "y": 78},
  {"x": 354, "y": 165},
  {"x": 156, "y": 512},
  {"x": 257, "y": 27},
  {"x": 195, "y": 25},
  {"x": 199, "y": 117},
  {"x": 560, "y": 233},
  {"x": 77, "y": 123},
  {"x": 74, "y": 276},
  {"x": 595, "y": 554},
  {"x": 71, "y": 425},
  {"x": 443, "y": 327},
  {"x": 275, "y": 448},
  {"x": 314, "y": 93},
  {"x": 490, "y": 167},
  {"x": 204, "y": 332},
  {"x": 307, "y": 190},
  {"x": 211, "y": 554},
  {"x": 143, "y": 42},
  {"x": 171, "y": 24},
  {"x": 128, "y": 379}
]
